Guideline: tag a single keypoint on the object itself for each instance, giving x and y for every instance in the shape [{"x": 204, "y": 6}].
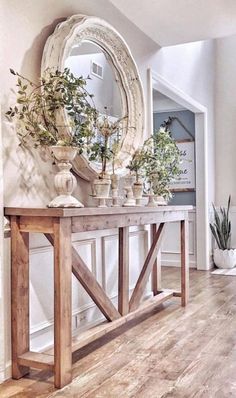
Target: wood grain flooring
[{"x": 174, "y": 352}]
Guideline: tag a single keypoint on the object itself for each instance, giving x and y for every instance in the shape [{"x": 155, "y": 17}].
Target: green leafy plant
[
  {"x": 162, "y": 162},
  {"x": 137, "y": 162},
  {"x": 221, "y": 227},
  {"x": 106, "y": 145},
  {"x": 40, "y": 107}
]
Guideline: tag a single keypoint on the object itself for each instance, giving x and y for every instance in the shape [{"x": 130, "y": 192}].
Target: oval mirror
[{"x": 90, "y": 46}]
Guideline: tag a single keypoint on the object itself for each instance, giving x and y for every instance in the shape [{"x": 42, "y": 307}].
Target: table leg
[
  {"x": 62, "y": 302},
  {"x": 19, "y": 296},
  {"x": 123, "y": 281},
  {"x": 156, "y": 272},
  {"x": 184, "y": 236}
]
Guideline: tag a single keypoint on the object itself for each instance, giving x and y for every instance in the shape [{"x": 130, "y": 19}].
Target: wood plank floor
[{"x": 174, "y": 352}]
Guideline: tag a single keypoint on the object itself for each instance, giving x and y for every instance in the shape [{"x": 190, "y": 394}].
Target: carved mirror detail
[{"x": 89, "y": 45}]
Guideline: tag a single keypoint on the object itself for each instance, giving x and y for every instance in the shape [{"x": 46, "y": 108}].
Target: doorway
[{"x": 184, "y": 102}]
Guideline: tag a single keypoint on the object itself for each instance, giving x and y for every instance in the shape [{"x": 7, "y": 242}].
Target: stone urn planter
[
  {"x": 128, "y": 188},
  {"x": 138, "y": 192},
  {"x": 225, "y": 258},
  {"x": 102, "y": 187},
  {"x": 115, "y": 189},
  {"x": 161, "y": 201},
  {"x": 65, "y": 182}
]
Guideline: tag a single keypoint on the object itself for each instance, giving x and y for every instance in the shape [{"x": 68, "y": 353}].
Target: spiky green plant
[{"x": 221, "y": 228}]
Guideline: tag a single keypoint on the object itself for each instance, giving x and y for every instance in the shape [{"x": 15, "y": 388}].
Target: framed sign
[{"x": 186, "y": 180}]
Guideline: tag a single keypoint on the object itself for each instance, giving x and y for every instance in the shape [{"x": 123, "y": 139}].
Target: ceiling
[{"x": 170, "y": 22}]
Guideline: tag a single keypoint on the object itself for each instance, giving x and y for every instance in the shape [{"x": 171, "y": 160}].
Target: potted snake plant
[
  {"x": 40, "y": 122},
  {"x": 224, "y": 254}
]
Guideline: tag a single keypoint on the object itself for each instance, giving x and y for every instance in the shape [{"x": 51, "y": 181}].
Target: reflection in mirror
[{"x": 89, "y": 59}]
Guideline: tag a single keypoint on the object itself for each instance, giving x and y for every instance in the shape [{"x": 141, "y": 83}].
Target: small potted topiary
[
  {"x": 161, "y": 165},
  {"x": 55, "y": 112},
  {"x": 102, "y": 150},
  {"x": 136, "y": 167},
  {"x": 224, "y": 254}
]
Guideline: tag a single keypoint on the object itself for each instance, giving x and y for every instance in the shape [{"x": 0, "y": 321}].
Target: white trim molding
[{"x": 157, "y": 82}]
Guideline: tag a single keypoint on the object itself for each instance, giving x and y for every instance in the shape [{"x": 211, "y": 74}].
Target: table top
[{"x": 90, "y": 211}]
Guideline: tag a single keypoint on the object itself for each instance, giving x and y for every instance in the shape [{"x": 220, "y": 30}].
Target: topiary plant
[
  {"x": 137, "y": 162},
  {"x": 221, "y": 228},
  {"x": 162, "y": 162}
]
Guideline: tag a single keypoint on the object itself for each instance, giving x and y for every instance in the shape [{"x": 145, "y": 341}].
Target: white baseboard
[
  {"x": 6, "y": 373},
  {"x": 174, "y": 263}
]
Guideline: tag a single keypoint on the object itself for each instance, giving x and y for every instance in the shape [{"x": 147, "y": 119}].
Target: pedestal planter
[
  {"x": 138, "y": 193},
  {"x": 102, "y": 190},
  {"x": 65, "y": 182},
  {"x": 160, "y": 201},
  {"x": 128, "y": 187},
  {"x": 225, "y": 258},
  {"x": 151, "y": 201},
  {"x": 115, "y": 189}
]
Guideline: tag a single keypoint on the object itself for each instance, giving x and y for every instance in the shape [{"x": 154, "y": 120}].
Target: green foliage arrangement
[
  {"x": 137, "y": 163},
  {"x": 106, "y": 144},
  {"x": 40, "y": 107},
  {"x": 162, "y": 162},
  {"x": 221, "y": 227}
]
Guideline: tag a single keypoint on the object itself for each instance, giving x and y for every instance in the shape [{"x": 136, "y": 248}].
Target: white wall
[
  {"x": 28, "y": 178},
  {"x": 2, "y": 351},
  {"x": 225, "y": 119},
  {"x": 105, "y": 90},
  {"x": 191, "y": 68}
]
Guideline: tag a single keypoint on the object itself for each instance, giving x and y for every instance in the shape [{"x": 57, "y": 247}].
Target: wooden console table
[{"x": 58, "y": 225}]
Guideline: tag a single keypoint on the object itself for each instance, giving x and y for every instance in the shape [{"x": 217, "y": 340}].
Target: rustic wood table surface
[{"x": 58, "y": 225}]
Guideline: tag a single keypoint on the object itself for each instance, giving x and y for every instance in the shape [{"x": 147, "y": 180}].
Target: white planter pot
[
  {"x": 128, "y": 187},
  {"x": 102, "y": 187},
  {"x": 65, "y": 182},
  {"x": 138, "y": 192},
  {"x": 161, "y": 201},
  {"x": 225, "y": 258}
]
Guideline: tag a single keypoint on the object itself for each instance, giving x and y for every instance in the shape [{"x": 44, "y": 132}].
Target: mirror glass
[{"x": 87, "y": 58}]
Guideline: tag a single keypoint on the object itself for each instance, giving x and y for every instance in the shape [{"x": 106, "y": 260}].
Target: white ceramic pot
[
  {"x": 138, "y": 192},
  {"x": 161, "y": 201},
  {"x": 128, "y": 187},
  {"x": 102, "y": 187},
  {"x": 65, "y": 182},
  {"x": 225, "y": 258},
  {"x": 115, "y": 189}
]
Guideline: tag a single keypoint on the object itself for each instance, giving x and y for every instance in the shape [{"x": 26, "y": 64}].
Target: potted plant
[
  {"x": 161, "y": 165},
  {"x": 224, "y": 255},
  {"x": 39, "y": 113},
  {"x": 136, "y": 166},
  {"x": 102, "y": 150}
]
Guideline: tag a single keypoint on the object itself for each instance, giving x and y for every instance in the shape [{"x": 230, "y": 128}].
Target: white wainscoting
[
  {"x": 170, "y": 251},
  {"x": 100, "y": 252}
]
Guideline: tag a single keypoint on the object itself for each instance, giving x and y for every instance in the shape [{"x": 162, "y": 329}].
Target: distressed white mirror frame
[{"x": 58, "y": 46}]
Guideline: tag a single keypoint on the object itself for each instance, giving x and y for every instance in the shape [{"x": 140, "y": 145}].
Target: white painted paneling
[
  {"x": 170, "y": 251},
  {"x": 2, "y": 353}
]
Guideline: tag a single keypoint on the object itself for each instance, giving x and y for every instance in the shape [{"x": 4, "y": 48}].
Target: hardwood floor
[{"x": 173, "y": 353}]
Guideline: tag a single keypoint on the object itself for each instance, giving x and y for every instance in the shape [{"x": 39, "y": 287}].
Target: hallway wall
[
  {"x": 28, "y": 178},
  {"x": 225, "y": 119}
]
